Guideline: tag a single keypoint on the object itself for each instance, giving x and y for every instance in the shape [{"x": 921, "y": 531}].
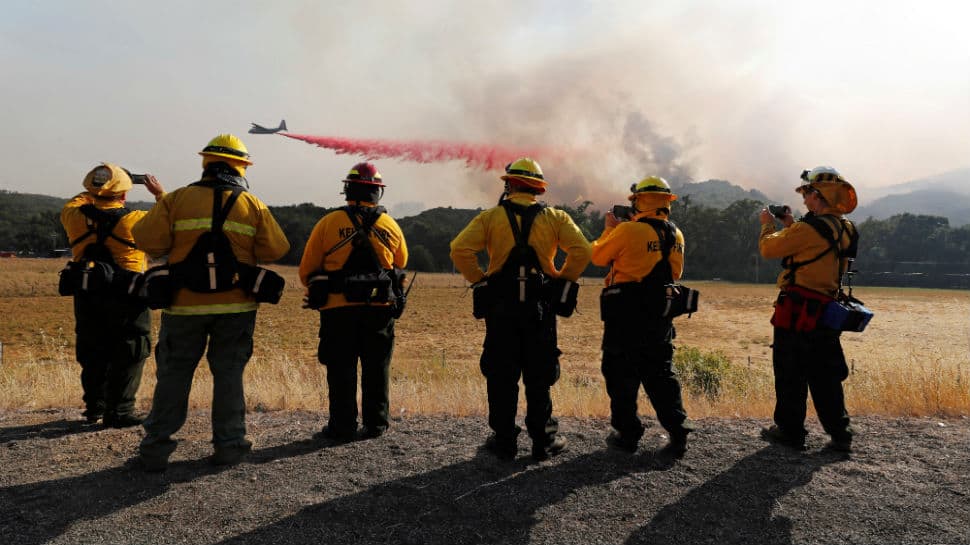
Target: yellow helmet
[
  {"x": 525, "y": 171},
  {"x": 653, "y": 186},
  {"x": 107, "y": 180},
  {"x": 227, "y": 146},
  {"x": 836, "y": 190}
]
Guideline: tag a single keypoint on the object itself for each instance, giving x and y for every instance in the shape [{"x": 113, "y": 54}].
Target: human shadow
[
  {"x": 736, "y": 506},
  {"x": 480, "y": 500},
  {"x": 47, "y": 430},
  {"x": 35, "y": 513},
  {"x": 293, "y": 449}
]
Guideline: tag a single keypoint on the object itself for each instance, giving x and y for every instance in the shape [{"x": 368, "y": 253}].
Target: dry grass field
[{"x": 913, "y": 360}]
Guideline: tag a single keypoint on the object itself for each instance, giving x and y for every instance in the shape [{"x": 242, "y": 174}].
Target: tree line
[{"x": 721, "y": 243}]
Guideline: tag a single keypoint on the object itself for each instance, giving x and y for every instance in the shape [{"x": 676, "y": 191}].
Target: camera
[
  {"x": 138, "y": 179},
  {"x": 779, "y": 210},
  {"x": 623, "y": 213}
]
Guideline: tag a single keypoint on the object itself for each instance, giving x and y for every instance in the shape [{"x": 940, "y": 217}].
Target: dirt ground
[{"x": 426, "y": 481}]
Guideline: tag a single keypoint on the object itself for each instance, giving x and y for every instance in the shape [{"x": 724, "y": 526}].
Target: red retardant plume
[{"x": 480, "y": 156}]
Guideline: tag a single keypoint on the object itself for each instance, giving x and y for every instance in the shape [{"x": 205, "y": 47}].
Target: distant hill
[
  {"x": 932, "y": 202},
  {"x": 20, "y": 203},
  {"x": 957, "y": 181},
  {"x": 718, "y": 193},
  {"x": 31, "y": 223},
  {"x": 928, "y": 246},
  {"x": 429, "y": 235},
  {"x": 11, "y": 203},
  {"x": 946, "y": 194}
]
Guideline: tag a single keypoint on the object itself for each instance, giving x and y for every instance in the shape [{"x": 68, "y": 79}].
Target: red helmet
[{"x": 364, "y": 173}]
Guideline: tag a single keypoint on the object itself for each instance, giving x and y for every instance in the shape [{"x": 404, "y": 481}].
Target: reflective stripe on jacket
[
  {"x": 172, "y": 226},
  {"x": 632, "y": 249},
  {"x": 76, "y": 224},
  {"x": 336, "y": 226},
  {"x": 490, "y": 231}
]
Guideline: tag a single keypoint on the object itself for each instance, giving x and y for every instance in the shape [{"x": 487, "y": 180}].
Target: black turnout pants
[
  {"x": 349, "y": 334},
  {"x": 112, "y": 344},
  {"x": 640, "y": 352},
  {"x": 526, "y": 348},
  {"x": 810, "y": 361}
]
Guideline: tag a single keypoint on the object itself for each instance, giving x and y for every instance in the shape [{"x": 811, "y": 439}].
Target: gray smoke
[{"x": 653, "y": 152}]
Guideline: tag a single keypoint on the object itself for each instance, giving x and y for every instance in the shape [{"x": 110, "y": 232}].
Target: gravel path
[{"x": 426, "y": 482}]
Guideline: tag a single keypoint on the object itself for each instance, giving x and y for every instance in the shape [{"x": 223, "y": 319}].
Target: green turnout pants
[
  {"x": 349, "y": 334},
  {"x": 112, "y": 344},
  {"x": 810, "y": 361},
  {"x": 181, "y": 344},
  {"x": 640, "y": 352},
  {"x": 526, "y": 349}
]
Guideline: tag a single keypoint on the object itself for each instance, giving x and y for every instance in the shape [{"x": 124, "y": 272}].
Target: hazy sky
[{"x": 748, "y": 91}]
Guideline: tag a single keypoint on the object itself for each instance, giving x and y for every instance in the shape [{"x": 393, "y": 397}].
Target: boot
[
  {"x": 617, "y": 441},
  {"x": 93, "y": 414},
  {"x": 151, "y": 463},
  {"x": 676, "y": 447},
  {"x": 542, "y": 451},
  {"x": 230, "y": 456},
  {"x": 328, "y": 434},
  {"x": 503, "y": 449},
  {"x": 840, "y": 444},
  {"x": 367, "y": 432},
  {"x": 776, "y": 435},
  {"x": 121, "y": 420}
]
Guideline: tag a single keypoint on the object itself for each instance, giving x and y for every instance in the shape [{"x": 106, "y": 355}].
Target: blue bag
[{"x": 846, "y": 314}]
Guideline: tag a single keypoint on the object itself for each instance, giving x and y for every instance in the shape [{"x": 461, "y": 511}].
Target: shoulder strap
[
  {"x": 528, "y": 214},
  {"x": 853, "y": 248},
  {"x": 101, "y": 223},
  {"x": 824, "y": 228},
  {"x": 220, "y": 212},
  {"x": 361, "y": 228},
  {"x": 665, "y": 234},
  {"x": 667, "y": 239}
]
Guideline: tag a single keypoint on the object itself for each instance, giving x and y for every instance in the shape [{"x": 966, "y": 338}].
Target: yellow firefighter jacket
[
  {"x": 802, "y": 242},
  {"x": 632, "y": 250},
  {"x": 76, "y": 224},
  {"x": 335, "y": 227},
  {"x": 490, "y": 231},
  {"x": 172, "y": 226}
]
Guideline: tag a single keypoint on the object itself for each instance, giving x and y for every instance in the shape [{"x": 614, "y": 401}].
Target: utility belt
[
  {"x": 528, "y": 293},
  {"x": 95, "y": 277},
  {"x": 381, "y": 287},
  {"x": 801, "y": 309},
  {"x": 633, "y": 300},
  {"x": 159, "y": 284}
]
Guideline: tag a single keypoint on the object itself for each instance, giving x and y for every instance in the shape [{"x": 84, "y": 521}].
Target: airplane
[{"x": 259, "y": 129}]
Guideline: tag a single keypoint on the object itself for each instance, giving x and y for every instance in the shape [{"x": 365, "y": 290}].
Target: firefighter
[
  {"x": 807, "y": 358},
  {"x": 637, "y": 341},
  {"x": 112, "y": 328},
  {"x": 224, "y": 320},
  {"x": 521, "y": 237},
  {"x": 352, "y": 265}
]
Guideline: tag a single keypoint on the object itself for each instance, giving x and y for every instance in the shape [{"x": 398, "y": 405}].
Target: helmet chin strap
[{"x": 505, "y": 193}]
